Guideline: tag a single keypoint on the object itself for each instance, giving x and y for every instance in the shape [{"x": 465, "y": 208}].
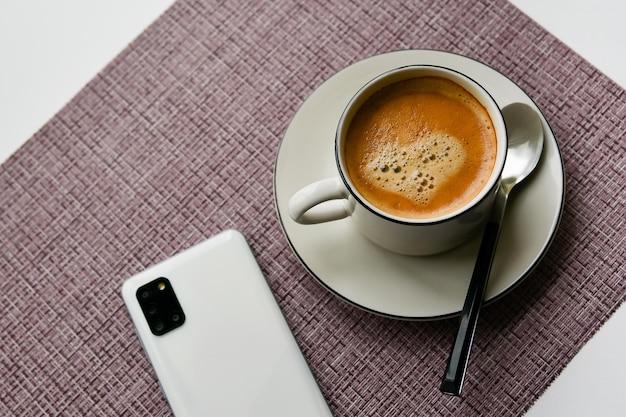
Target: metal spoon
[{"x": 525, "y": 134}]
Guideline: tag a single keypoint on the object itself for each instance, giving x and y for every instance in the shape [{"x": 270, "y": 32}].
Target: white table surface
[{"x": 50, "y": 50}]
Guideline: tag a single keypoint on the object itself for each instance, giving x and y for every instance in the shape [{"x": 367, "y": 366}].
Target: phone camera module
[{"x": 160, "y": 306}]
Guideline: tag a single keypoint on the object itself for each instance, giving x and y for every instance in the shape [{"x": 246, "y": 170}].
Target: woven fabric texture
[{"x": 175, "y": 140}]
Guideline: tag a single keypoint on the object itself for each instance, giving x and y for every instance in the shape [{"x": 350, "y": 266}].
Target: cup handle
[{"x": 320, "y": 202}]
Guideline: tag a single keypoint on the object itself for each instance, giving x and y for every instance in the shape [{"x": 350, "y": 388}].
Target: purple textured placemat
[{"x": 175, "y": 140}]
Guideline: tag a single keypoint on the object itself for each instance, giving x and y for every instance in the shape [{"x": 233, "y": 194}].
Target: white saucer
[{"x": 398, "y": 286}]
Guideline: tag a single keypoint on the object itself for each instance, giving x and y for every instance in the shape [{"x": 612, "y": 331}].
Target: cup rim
[{"x": 486, "y": 99}]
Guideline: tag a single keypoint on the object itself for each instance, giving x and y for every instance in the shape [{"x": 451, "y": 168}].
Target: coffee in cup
[
  {"x": 419, "y": 153},
  {"x": 420, "y": 148}
]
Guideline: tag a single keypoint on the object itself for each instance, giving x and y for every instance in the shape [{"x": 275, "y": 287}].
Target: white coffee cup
[{"x": 337, "y": 197}]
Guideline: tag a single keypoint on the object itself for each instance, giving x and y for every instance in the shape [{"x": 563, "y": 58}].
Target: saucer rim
[{"x": 546, "y": 244}]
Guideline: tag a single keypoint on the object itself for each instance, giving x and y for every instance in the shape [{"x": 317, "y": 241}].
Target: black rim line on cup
[{"x": 366, "y": 203}]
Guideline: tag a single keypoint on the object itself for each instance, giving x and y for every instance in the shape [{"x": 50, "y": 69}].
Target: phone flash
[{"x": 161, "y": 286}]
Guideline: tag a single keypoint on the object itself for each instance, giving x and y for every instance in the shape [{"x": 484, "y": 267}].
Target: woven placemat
[{"x": 175, "y": 141}]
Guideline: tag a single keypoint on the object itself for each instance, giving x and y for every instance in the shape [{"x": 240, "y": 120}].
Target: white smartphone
[{"x": 216, "y": 337}]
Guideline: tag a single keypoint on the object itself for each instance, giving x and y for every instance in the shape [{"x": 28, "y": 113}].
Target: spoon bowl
[{"x": 525, "y": 147}]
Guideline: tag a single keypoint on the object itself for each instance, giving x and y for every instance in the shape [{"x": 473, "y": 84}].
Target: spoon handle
[{"x": 452, "y": 381}]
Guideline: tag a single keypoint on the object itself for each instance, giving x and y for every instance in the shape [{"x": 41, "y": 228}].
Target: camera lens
[
  {"x": 175, "y": 317},
  {"x": 151, "y": 309},
  {"x": 145, "y": 294},
  {"x": 159, "y": 326}
]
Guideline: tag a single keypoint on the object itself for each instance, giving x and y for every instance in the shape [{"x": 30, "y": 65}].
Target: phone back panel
[{"x": 235, "y": 354}]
